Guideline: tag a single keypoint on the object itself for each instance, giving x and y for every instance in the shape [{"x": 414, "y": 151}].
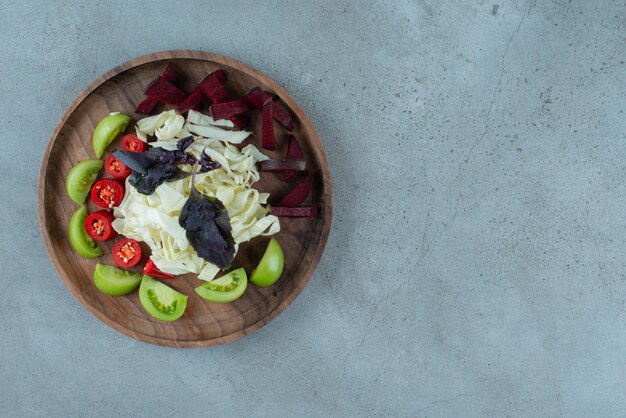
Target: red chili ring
[
  {"x": 131, "y": 142},
  {"x": 127, "y": 253},
  {"x": 107, "y": 193},
  {"x": 98, "y": 225},
  {"x": 116, "y": 169}
]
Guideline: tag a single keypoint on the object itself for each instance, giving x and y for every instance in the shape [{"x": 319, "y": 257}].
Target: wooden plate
[{"x": 203, "y": 323}]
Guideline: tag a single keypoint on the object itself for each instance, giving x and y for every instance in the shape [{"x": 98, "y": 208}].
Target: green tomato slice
[
  {"x": 270, "y": 267},
  {"x": 82, "y": 243},
  {"x": 160, "y": 300},
  {"x": 107, "y": 130},
  {"x": 227, "y": 288},
  {"x": 80, "y": 179},
  {"x": 114, "y": 281}
]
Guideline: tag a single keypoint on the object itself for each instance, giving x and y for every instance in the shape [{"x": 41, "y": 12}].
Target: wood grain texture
[{"x": 203, "y": 324}]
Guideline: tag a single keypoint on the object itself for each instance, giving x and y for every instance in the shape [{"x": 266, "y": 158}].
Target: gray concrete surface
[{"x": 476, "y": 265}]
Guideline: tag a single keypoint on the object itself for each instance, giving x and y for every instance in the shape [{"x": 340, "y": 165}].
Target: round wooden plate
[{"x": 203, "y": 323}]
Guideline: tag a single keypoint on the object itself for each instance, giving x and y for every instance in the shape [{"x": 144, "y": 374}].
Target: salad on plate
[{"x": 179, "y": 197}]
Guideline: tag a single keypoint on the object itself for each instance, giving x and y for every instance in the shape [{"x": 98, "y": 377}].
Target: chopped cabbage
[{"x": 154, "y": 219}]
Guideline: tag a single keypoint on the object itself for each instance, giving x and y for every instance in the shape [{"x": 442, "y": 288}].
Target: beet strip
[
  {"x": 164, "y": 91},
  {"x": 267, "y": 130},
  {"x": 298, "y": 194},
  {"x": 280, "y": 166},
  {"x": 299, "y": 212},
  {"x": 230, "y": 109},
  {"x": 294, "y": 152},
  {"x": 193, "y": 100}
]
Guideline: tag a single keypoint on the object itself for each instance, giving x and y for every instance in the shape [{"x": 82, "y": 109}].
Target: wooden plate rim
[{"x": 280, "y": 91}]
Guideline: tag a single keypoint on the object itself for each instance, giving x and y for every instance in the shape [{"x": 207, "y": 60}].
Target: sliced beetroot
[
  {"x": 164, "y": 91},
  {"x": 298, "y": 194},
  {"x": 258, "y": 98},
  {"x": 169, "y": 74},
  {"x": 294, "y": 152},
  {"x": 193, "y": 101},
  {"x": 240, "y": 121},
  {"x": 213, "y": 86},
  {"x": 298, "y": 212},
  {"x": 147, "y": 106},
  {"x": 267, "y": 128},
  {"x": 281, "y": 116},
  {"x": 281, "y": 166},
  {"x": 230, "y": 109}
]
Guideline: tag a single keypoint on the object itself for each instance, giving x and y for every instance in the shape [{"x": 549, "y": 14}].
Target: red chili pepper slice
[
  {"x": 107, "y": 193},
  {"x": 150, "y": 269},
  {"x": 131, "y": 142},
  {"x": 116, "y": 169},
  {"x": 98, "y": 225},
  {"x": 127, "y": 253}
]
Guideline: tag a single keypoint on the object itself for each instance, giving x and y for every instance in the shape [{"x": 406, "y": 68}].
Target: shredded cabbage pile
[{"x": 154, "y": 219}]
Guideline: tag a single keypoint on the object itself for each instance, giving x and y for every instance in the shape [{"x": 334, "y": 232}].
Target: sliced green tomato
[
  {"x": 270, "y": 267},
  {"x": 107, "y": 130},
  {"x": 227, "y": 288},
  {"x": 115, "y": 282},
  {"x": 80, "y": 179},
  {"x": 82, "y": 243},
  {"x": 160, "y": 300}
]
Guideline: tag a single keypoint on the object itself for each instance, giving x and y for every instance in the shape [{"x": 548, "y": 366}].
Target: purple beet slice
[
  {"x": 164, "y": 91},
  {"x": 192, "y": 101},
  {"x": 294, "y": 152},
  {"x": 267, "y": 129},
  {"x": 230, "y": 109},
  {"x": 147, "y": 106},
  {"x": 169, "y": 73},
  {"x": 280, "y": 166},
  {"x": 281, "y": 116},
  {"x": 298, "y": 194},
  {"x": 258, "y": 98},
  {"x": 213, "y": 86},
  {"x": 299, "y": 212},
  {"x": 240, "y": 121}
]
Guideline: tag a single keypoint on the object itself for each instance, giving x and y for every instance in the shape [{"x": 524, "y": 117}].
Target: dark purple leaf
[
  {"x": 207, "y": 164},
  {"x": 183, "y": 143}
]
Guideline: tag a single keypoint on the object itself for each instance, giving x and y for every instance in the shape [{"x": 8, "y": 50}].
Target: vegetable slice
[
  {"x": 194, "y": 99},
  {"x": 107, "y": 130},
  {"x": 164, "y": 91},
  {"x": 127, "y": 253},
  {"x": 267, "y": 129},
  {"x": 131, "y": 142},
  {"x": 213, "y": 86},
  {"x": 80, "y": 178},
  {"x": 116, "y": 169},
  {"x": 98, "y": 225},
  {"x": 115, "y": 282},
  {"x": 294, "y": 152},
  {"x": 160, "y": 300},
  {"x": 230, "y": 109},
  {"x": 107, "y": 193},
  {"x": 82, "y": 243},
  {"x": 270, "y": 267},
  {"x": 282, "y": 166},
  {"x": 298, "y": 194},
  {"x": 227, "y": 288},
  {"x": 148, "y": 105},
  {"x": 299, "y": 212},
  {"x": 151, "y": 269}
]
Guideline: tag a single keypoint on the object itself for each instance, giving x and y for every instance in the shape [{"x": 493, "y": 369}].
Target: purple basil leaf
[
  {"x": 208, "y": 229},
  {"x": 148, "y": 182},
  {"x": 183, "y": 143},
  {"x": 207, "y": 163},
  {"x": 136, "y": 161}
]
